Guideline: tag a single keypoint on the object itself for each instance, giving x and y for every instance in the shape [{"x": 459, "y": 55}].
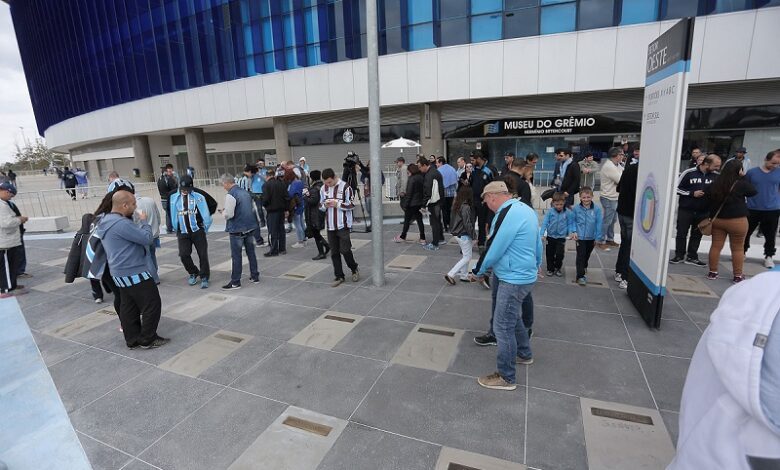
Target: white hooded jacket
[{"x": 722, "y": 425}]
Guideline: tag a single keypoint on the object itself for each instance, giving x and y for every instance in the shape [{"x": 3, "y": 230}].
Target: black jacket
[
  {"x": 414, "y": 192},
  {"x": 69, "y": 179},
  {"x": 73, "y": 268},
  {"x": 571, "y": 180},
  {"x": 627, "y": 189},
  {"x": 690, "y": 181},
  {"x": 166, "y": 185},
  {"x": 315, "y": 218},
  {"x": 275, "y": 196},
  {"x": 430, "y": 176},
  {"x": 519, "y": 186},
  {"x": 480, "y": 178},
  {"x": 734, "y": 206}
]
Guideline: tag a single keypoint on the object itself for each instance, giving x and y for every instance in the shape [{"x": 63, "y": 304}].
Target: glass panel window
[
  {"x": 515, "y": 4},
  {"x": 313, "y": 55},
  {"x": 454, "y": 8},
  {"x": 725, "y": 6},
  {"x": 639, "y": 11},
  {"x": 679, "y": 8},
  {"x": 455, "y": 32},
  {"x": 289, "y": 31},
  {"x": 311, "y": 20},
  {"x": 420, "y": 11},
  {"x": 393, "y": 41},
  {"x": 521, "y": 23},
  {"x": 392, "y": 13},
  {"x": 553, "y": 2},
  {"x": 486, "y": 27},
  {"x": 595, "y": 14},
  {"x": 558, "y": 18},
  {"x": 485, "y": 6},
  {"x": 421, "y": 37}
]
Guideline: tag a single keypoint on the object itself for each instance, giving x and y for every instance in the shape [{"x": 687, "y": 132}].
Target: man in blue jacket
[
  {"x": 240, "y": 223},
  {"x": 514, "y": 253},
  {"x": 191, "y": 220},
  {"x": 126, "y": 245}
]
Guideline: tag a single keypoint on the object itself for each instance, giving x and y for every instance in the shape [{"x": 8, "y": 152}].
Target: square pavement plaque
[
  {"x": 358, "y": 243},
  {"x": 205, "y": 353},
  {"x": 429, "y": 347},
  {"x": 326, "y": 331},
  {"x": 198, "y": 307},
  {"x": 82, "y": 324},
  {"x": 681, "y": 284},
  {"x": 455, "y": 459},
  {"x": 298, "y": 439},
  {"x": 304, "y": 271},
  {"x": 619, "y": 436},
  {"x": 405, "y": 262},
  {"x": 594, "y": 276}
]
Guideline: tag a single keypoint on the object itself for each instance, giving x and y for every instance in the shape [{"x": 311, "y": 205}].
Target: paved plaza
[{"x": 388, "y": 373}]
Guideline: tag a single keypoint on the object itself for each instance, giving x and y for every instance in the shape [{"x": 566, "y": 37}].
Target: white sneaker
[
  {"x": 618, "y": 277},
  {"x": 298, "y": 245},
  {"x": 623, "y": 285},
  {"x": 769, "y": 263}
]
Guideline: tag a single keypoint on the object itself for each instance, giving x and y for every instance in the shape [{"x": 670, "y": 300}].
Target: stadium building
[{"x": 123, "y": 84}]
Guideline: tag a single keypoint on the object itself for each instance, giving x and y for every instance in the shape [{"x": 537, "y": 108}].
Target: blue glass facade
[{"x": 84, "y": 55}]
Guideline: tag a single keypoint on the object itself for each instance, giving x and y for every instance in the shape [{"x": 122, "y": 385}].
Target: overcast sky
[{"x": 15, "y": 108}]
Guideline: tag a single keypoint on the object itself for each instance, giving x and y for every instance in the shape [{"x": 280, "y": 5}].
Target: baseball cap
[
  {"x": 186, "y": 182},
  {"x": 302, "y": 158},
  {"x": 120, "y": 185},
  {"x": 8, "y": 186},
  {"x": 742, "y": 150},
  {"x": 495, "y": 187}
]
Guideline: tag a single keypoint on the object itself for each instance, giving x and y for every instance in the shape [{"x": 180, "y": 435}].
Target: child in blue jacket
[
  {"x": 587, "y": 219},
  {"x": 558, "y": 223}
]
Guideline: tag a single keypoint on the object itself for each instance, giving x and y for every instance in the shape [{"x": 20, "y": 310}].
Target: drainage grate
[
  {"x": 621, "y": 415},
  {"x": 234, "y": 339},
  {"x": 457, "y": 466},
  {"x": 296, "y": 276},
  {"x": 431, "y": 331},
  {"x": 306, "y": 425},
  {"x": 344, "y": 319},
  {"x": 395, "y": 266}
]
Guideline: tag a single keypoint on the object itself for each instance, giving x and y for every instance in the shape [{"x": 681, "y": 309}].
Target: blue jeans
[
  {"x": 527, "y": 307},
  {"x": 511, "y": 335},
  {"x": 610, "y": 217},
  {"x": 300, "y": 230},
  {"x": 239, "y": 241}
]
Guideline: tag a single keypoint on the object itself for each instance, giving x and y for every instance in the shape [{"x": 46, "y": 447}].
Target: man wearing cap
[
  {"x": 509, "y": 157},
  {"x": 741, "y": 155},
  {"x": 401, "y": 177},
  {"x": 514, "y": 253},
  {"x": 191, "y": 219},
  {"x": 10, "y": 240},
  {"x": 276, "y": 200},
  {"x": 240, "y": 223},
  {"x": 125, "y": 245}
]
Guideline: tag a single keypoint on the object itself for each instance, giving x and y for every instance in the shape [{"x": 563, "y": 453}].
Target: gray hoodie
[{"x": 126, "y": 244}]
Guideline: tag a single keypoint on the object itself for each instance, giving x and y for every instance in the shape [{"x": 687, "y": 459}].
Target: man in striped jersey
[{"x": 336, "y": 201}]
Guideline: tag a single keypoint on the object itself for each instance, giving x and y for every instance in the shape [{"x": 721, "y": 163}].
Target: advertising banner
[{"x": 663, "y": 119}]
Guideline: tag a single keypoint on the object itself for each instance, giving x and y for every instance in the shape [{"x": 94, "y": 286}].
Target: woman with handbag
[
  {"x": 728, "y": 216},
  {"x": 411, "y": 203}
]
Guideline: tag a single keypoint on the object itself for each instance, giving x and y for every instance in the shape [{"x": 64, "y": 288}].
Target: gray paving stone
[
  {"x": 312, "y": 294},
  {"x": 101, "y": 456},
  {"x": 674, "y": 338},
  {"x": 588, "y": 371},
  {"x": 360, "y": 447},
  {"x": 391, "y": 281},
  {"x": 405, "y": 306},
  {"x": 449, "y": 457},
  {"x": 313, "y": 378},
  {"x": 268, "y": 288},
  {"x": 54, "y": 350},
  {"x": 458, "y": 312},
  {"x": 595, "y": 277},
  {"x": 205, "y": 353},
  {"x": 88, "y": 375},
  {"x": 475, "y": 361},
  {"x": 429, "y": 405},
  {"x": 681, "y": 284},
  {"x": 666, "y": 376},
  {"x": 133, "y": 416},
  {"x": 671, "y": 310},
  {"x": 361, "y": 301},
  {"x": 555, "y": 437},
  {"x": 672, "y": 422},
  {"x": 375, "y": 338},
  {"x": 698, "y": 308},
  {"x": 600, "y": 329},
  {"x": 216, "y": 434},
  {"x": 138, "y": 465},
  {"x": 200, "y": 305},
  {"x": 56, "y": 312},
  {"x": 423, "y": 283},
  {"x": 275, "y": 320},
  {"x": 229, "y": 368},
  {"x": 82, "y": 324},
  {"x": 597, "y": 300}
]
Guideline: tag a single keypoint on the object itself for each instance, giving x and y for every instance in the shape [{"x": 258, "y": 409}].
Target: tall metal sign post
[
  {"x": 375, "y": 145},
  {"x": 663, "y": 120}
]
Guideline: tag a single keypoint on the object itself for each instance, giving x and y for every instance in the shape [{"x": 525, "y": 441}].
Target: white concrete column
[
  {"x": 281, "y": 140},
  {"x": 430, "y": 129},
  {"x": 196, "y": 150},
  {"x": 143, "y": 157}
]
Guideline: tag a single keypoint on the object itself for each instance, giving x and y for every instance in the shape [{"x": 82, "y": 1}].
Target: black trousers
[
  {"x": 139, "y": 313},
  {"x": 9, "y": 269},
  {"x": 435, "y": 218},
  {"x": 484, "y": 216},
  {"x": 446, "y": 211},
  {"x": 71, "y": 192},
  {"x": 316, "y": 234},
  {"x": 584, "y": 249},
  {"x": 688, "y": 220},
  {"x": 198, "y": 239},
  {"x": 167, "y": 208},
  {"x": 413, "y": 213},
  {"x": 624, "y": 252},
  {"x": 556, "y": 248},
  {"x": 277, "y": 237},
  {"x": 766, "y": 221},
  {"x": 341, "y": 245}
]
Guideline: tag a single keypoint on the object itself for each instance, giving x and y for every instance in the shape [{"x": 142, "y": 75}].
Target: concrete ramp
[{"x": 36, "y": 431}]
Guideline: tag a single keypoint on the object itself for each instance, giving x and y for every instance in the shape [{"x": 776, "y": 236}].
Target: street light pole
[{"x": 374, "y": 137}]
